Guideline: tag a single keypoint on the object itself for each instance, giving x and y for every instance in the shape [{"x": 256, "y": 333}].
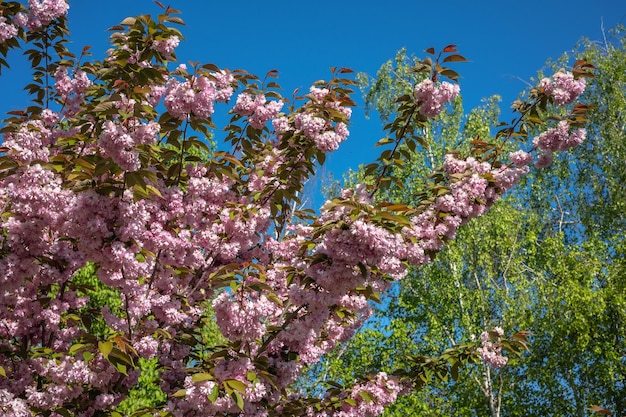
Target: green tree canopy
[{"x": 549, "y": 259}]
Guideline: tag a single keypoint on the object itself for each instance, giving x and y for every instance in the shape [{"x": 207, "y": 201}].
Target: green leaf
[
  {"x": 180, "y": 393},
  {"x": 64, "y": 412},
  {"x": 238, "y": 399},
  {"x": 202, "y": 377},
  {"x": 105, "y": 348},
  {"x": 234, "y": 384},
  {"x": 367, "y": 397},
  {"x": 84, "y": 163},
  {"x": 215, "y": 392}
]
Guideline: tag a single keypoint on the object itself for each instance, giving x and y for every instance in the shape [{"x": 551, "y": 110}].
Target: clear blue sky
[{"x": 506, "y": 41}]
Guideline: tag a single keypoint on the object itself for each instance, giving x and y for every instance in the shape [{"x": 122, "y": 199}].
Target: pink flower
[
  {"x": 326, "y": 136},
  {"x": 20, "y": 19},
  {"x": 520, "y": 158},
  {"x": 30, "y": 142},
  {"x": 70, "y": 90},
  {"x": 433, "y": 97},
  {"x": 319, "y": 93},
  {"x": 246, "y": 105},
  {"x": 7, "y": 30},
  {"x": 12, "y": 406},
  {"x": 559, "y": 138},
  {"x": 491, "y": 350},
  {"x": 281, "y": 125},
  {"x": 196, "y": 96},
  {"x": 310, "y": 125},
  {"x": 544, "y": 160},
  {"x": 506, "y": 177},
  {"x": 49, "y": 117},
  {"x": 119, "y": 142},
  {"x": 563, "y": 88},
  {"x": 166, "y": 47},
  {"x": 45, "y": 11}
]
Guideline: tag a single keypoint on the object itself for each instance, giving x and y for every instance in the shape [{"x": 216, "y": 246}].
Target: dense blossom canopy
[{"x": 107, "y": 170}]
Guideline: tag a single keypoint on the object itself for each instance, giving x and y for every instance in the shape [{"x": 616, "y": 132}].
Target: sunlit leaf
[{"x": 105, "y": 348}]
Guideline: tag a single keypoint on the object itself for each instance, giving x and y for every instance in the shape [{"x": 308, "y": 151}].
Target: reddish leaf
[
  {"x": 453, "y": 75},
  {"x": 450, "y": 48},
  {"x": 455, "y": 58},
  {"x": 430, "y": 51},
  {"x": 583, "y": 63},
  {"x": 598, "y": 409}
]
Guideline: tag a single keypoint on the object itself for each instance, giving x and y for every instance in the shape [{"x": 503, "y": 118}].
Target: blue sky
[{"x": 506, "y": 42}]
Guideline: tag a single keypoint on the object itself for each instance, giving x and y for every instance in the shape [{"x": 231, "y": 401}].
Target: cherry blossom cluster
[
  {"x": 7, "y": 30},
  {"x": 433, "y": 97},
  {"x": 474, "y": 187},
  {"x": 197, "y": 96},
  {"x": 522, "y": 158},
  {"x": 166, "y": 46},
  {"x": 369, "y": 399},
  {"x": 119, "y": 141},
  {"x": 559, "y": 138},
  {"x": 71, "y": 90},
  {"x": 258, "y": 109},
  {"x": 10, "y": 406},
  {"x": 563, "y": 87},
  {"x": 202, "y": 227},
  {"x": 327, "y": 136},
  {"x": 45, "y": 11},
  {"x": 41, "y": 13},
  {"x": 30, "y": 142},
  {"x": 491, "y": 350},
  {"x": 361, "y": 254},
  {"x": 42, "y": 212}
]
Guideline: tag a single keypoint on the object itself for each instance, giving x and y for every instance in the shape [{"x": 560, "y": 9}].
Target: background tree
[{"x": 548, "y": 259}]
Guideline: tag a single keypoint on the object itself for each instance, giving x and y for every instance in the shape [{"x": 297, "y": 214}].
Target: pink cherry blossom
[
  {"x": 563, "y": 88},
  {"x": 520, "y": 158},
  {"x": 559, "y": 138},
  {"x": 166, "y": 46},
  {"x": 544, "y": 160},
  {"x": 71, "y": 90},
  {"x": 43, "y": 12},
  {"x": 491, "y": 350},
  {"x": 7, "y": 30},
  {"x": 195, "y": 96},
  {"x": 433, "y": 97}
]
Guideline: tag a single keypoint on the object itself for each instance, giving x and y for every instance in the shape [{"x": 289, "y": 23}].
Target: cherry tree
[{"x": 109, "y": 168}]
